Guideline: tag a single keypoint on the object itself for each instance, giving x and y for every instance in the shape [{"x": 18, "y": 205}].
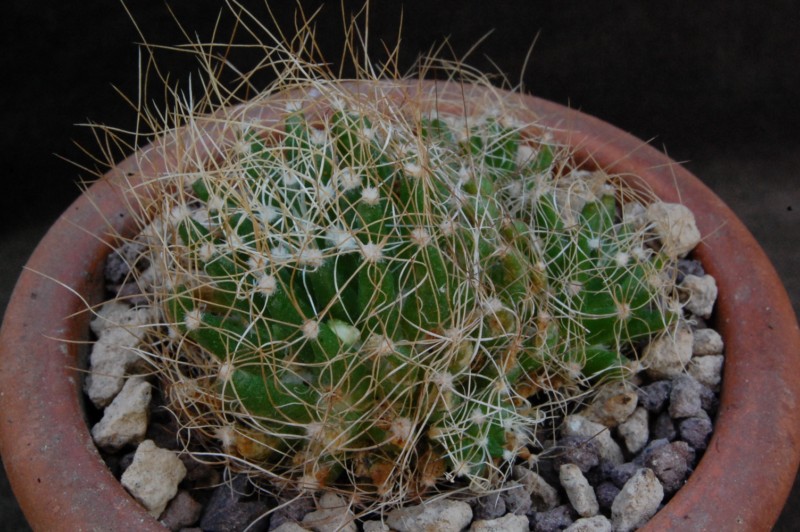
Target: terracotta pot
[{"x": 62, "y": 483}]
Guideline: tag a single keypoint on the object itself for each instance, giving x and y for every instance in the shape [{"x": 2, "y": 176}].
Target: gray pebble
[
  {"x": 654, "y": 396},
  {"x": 553, "y": 520},
  {"x": 576, "y": 450},
  {"x": 181, "y": 512},
  {"x": 696, "y": 430},
  {"x": 685, "y": 398},
  {"x": 671, "y": 463},
  {"x": 622, "y": 473},
  {"x": 606, "y": 492},
  {"x": 229, "y": 511},
  {"x": 490, "y": 506},
  {"x": 708, "y": 399},
  {"x": 517, "y": 498},
  {"x": 664, "y": 428}
]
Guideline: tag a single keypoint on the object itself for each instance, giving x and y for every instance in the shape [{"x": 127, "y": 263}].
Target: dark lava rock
[
  {"x": 558, "y": 518},
  {"x": 182, "y": 511},
  {"x": 517, "y": 499},
  {"x": 230, "y": 510},
  {"x": 575, "y": 450},
  {"x": 606, "y": 492},
  {"x": 664, "y": 428},
  {"x": 695, "y": 431},
  {"x": 653, "y": 397},
  {"x": 620, "y": 474},
  {"x": 490, "y": 506},
  {"x": 671, "y": 463}
]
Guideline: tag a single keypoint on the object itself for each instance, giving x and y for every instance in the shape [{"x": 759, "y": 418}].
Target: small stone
[
  {"x": 708, "y": 399},
  {"x": 607, "y": 448},
  {"x": 558, "y": 518},
  {"x": 228, "y": 510},
  {"x": 637, "y": 502},
  {"x": 125, "y": 419},
  {"x": 111, "y": 313},
  {"x": 707, "y": 370},
  {"x": 543, "y": 496},
  {"x": 654, "y": 396},
  {"x": 516, "y": 497},
  {"x": 707, "y": 342},
  {"x": 635, "y": 431},
  {"x": 442, "y": 516},
  {"x": 606, "y": 492},
  {"x": 183, "y": 511},
  {"x": 333, "y": 514},
  {"x": 490, "y": 506},
  {"x": 576, "y": 450},
  {"x": 612, "y": 405},
  {"x": 598, "y": 523},
  {"x": 664, "y": 428},
  {"x": 153, "y": 477},
  {"x": 685, "y": 399},
  {"x": 696, "y": 430},
  {"x": 670, "y": 463},
  {"x": 578, "y": 490},
  {"x": 507, "y": 523},
  {"x": 699, "y": 294},
  {"x": 114, "y": 353},
  {"x": 622, "y": 473},
  {"x": 667, "y": 356},
  {"x": 376, "y": 526},
  {"x": 689, "y": 267},
  {"x": 675, "y": 226}
]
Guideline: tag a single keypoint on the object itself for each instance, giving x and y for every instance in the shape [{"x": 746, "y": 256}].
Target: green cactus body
[{"x": 371, "y": 286}]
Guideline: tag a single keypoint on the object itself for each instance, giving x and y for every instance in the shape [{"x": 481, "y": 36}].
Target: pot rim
[{"x": 57, "y": 473}]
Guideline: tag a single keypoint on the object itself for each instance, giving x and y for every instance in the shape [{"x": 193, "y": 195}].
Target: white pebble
[
  {"x": 667, "y": 356},
  {"x": 607, "y": 448},
  {"x": 507, "y": 523},
  {"x": 114, "y": 353},
  {"x": 125, "y": 419},
  {"x": 442, "y": 515},
  {"x": 579, "y": 491},
  {"x": 635, "y": 431},
  {"x": 598, "y": 523},
  {"x": 675, "y": 226},
  {"x": 637, "y": 502},
  {"x": 332, "y": 514},
  {"x": 707, "y": 342},
  {"x": 707, "y": 369},
  {"x": 699, "y": 294},
  {"x": 153, "y": 477}
]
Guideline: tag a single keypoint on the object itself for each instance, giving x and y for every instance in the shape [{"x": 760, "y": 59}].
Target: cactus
[
  {"x": 380, "y": 292},
  {"x": 385, "y": 297}
]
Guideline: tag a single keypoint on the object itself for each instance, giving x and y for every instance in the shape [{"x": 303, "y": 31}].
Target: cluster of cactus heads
[{"x": 391, "y": 297}]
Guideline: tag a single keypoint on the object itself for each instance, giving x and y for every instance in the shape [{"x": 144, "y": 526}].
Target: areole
[{"x": 62, "y": 483}]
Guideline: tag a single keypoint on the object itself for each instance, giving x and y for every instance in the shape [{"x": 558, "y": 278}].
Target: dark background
[{"x": 715, "y": 84}]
